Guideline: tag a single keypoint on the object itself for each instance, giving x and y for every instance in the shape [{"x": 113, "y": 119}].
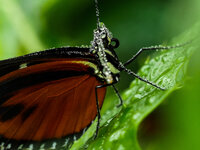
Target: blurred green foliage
[{"x": 27, "y": 26}]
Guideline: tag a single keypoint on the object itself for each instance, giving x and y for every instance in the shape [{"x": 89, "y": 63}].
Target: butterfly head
[{"x": 102, "y": 46}]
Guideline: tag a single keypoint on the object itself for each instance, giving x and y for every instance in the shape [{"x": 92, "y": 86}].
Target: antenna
[{"x": 97, "y": 12}]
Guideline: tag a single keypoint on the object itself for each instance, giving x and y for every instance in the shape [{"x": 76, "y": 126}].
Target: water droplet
[
  {"x": 109, "y": 121},
  {"x": 165, "y": 81},
  {"x": 136, "y": 116},
  {"x": 141, "y": 89},
  {"x": 139, "y": 96},
  {"x": 164, "y": 59},
  {"x": 145, "y": 69},
  {"x": 121, "y": 147},
  {"x": 116, "y": 135},
  {"x": 157, "y": 58},
  {"x": 180, "y": 59},
  {"x": 152, "y": 100},
  {"x": 128, "y": 92}
]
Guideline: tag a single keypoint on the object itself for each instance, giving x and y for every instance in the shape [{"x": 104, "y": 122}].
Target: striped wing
[{"x": 48, "y": 100}]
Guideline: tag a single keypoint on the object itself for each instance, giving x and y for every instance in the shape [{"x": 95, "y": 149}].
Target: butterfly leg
[
  {"x": 151, "y": 48},
  {"x": 98, "y": 108},
  {"x": 98, "y": 111},
  {"x": 120, "y": 98}
]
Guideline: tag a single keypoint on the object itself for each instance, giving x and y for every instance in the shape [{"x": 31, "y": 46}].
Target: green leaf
[{"x": 166, "y": 68}]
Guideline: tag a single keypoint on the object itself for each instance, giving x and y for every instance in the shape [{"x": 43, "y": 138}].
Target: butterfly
[{"x": 48, "y": 99}]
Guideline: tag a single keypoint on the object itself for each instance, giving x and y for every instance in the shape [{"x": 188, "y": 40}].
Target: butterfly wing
[{"x": 48, "y": 100}]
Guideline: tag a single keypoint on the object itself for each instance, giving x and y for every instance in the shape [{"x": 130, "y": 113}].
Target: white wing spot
[
  {"x": 20, "y": 147},
  {"x": 30, "y": 147},
  {"x": 66, "y": 142},
  {"x": 2, "y": 146},
  {"x": 9, "y": 146},
  {"x": 53, "y": 145},
  {"x": 84, "y": 130},
  {"x": 42, "y": 147},
  {"x": 74, "y": 137},
  {"x": 22, "y": 66}
]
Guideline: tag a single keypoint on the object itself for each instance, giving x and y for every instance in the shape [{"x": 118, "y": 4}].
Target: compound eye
[
  {"x": 114, "y": 43},
  {"x": 103, "y": 35}
]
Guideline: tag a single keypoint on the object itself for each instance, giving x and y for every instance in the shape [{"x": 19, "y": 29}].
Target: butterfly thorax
[{"x": 99, "y": 47}]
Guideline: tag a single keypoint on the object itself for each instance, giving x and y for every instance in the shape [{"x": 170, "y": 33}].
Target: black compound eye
[{"x": 114, "y": 43}]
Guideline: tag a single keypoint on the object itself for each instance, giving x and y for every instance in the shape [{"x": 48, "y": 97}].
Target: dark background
[{"x": 27, "y": 26}]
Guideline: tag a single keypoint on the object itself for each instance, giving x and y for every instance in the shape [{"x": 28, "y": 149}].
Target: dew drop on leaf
[
  {"x": 139, "y": 96},
  {"x": 136, "y": 116}
]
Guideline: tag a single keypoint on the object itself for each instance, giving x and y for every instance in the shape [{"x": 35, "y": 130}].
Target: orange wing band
[{"x": 52, "y": 109}]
